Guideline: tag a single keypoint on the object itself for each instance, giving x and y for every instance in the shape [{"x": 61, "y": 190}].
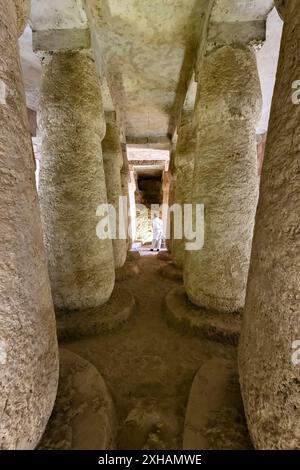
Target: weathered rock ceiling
[
  {"x": 145, "y": 51},
  {"x": 144, "y": 46}
]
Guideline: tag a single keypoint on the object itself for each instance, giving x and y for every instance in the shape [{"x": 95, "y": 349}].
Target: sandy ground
[{"x": 148, "y": 366}]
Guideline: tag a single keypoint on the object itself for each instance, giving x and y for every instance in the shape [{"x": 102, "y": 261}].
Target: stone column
[
  {"x": 125, "y": 182},
  {"x": 169, "y": 223},
  {"x": 125, "y": 172},
  {"x": 166, "y": 186},
  {"x": 132, "y": 204},
  {"x": 72, "y": 182},
  {"x": 125, "y": 179},
  {"x": 28, "y": 345},
  {"x": 184, "y": 168},
  {"x": 113, "y": 163},
  {"x": 225, "y": 177},
  {"x": 268, "y": 357}
]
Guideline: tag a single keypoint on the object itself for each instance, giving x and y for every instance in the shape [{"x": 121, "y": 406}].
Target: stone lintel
[
  {"x": 155, "y": 142},
  {"x": 61, "y": 40},
  {"x": 244, "y": 32},
  {"x": 148, "y": 162}
]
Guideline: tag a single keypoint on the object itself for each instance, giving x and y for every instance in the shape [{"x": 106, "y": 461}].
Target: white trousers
[{"x": 157, "y": 241}]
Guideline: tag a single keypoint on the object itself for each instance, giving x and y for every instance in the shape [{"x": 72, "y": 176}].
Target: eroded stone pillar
[
  {"x": 268, "y": 356},
  {"x": 169, "y": 223},
  {"x": 72, "y": 182},
  {"x": 184, "y": 168},
  {"x": 125, "y": 182},
  {"x": 225, "y": 177},
  {"x": 166, "y": 186},
  {"x": 113, "y": 163},
  {"x": 125, "y": 179},
  {"x": 28, "y": 345},
  {"x": 132, "y": 205}
]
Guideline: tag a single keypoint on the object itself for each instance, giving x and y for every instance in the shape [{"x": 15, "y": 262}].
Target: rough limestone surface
[
  {"x": 113, "y": 162},
  {"x": 128, "y": 271},
  {"x": 165, "y": 187},
  {"x": 170, "y": 221},
  {"x": 23, "y": 12},
  {"x": 147, "y": 427},
  {"x": 164, "y": 256},
  {"x": 223, "y": 327},
  {"x": 97, "y": 320},
  {"x": 84, "y": 416},
  {"x": 148, "y": 49},
  {"x": 171, "y": 271},
  {"x": 184, "y": 168},
  {"x": 133, "y": 256},
  {"x": 72, "y": 182},
  {"x": 269, "y": 375},
  {"x": 215, "y": 417},
  {"x": 225, "y": 177},
  {"x": 28, "y": 345},
  {"x": 125, "y": 180}
]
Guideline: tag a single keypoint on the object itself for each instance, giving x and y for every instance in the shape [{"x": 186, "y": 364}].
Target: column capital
[
  {"x": 76, "y": 67},
  {"x": 226, "y": 23},
  {"x": 233, "y": 67}
]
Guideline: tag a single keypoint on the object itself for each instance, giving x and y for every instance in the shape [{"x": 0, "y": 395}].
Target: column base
[
  {"x": 170, "y": 271},
  {"x": 215, "y": 417},
  {"x": 164, "y": 256},
  {"x": 133, "y": 255},
  {"x": 216, "y": 326},
  {"x": 94, "y": 321},
  {"x": 128, "y": 271},
  {"x": 83, "y": 417}
]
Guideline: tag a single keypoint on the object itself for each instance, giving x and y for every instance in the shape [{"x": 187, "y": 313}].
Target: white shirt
[{"x": 157, "y": 227}]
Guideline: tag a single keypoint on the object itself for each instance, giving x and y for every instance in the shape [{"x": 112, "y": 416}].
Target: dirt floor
[{"x": 148, "y": 366}]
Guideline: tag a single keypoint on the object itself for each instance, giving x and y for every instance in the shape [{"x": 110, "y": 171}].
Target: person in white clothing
[{"x": 158, "y": 233}]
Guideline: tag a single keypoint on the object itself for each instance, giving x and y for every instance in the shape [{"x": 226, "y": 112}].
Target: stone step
[
  {"x": 216, "y": 326},
  {"x": 84, "y": 417},
  {"x": 215, "y": 415}
]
